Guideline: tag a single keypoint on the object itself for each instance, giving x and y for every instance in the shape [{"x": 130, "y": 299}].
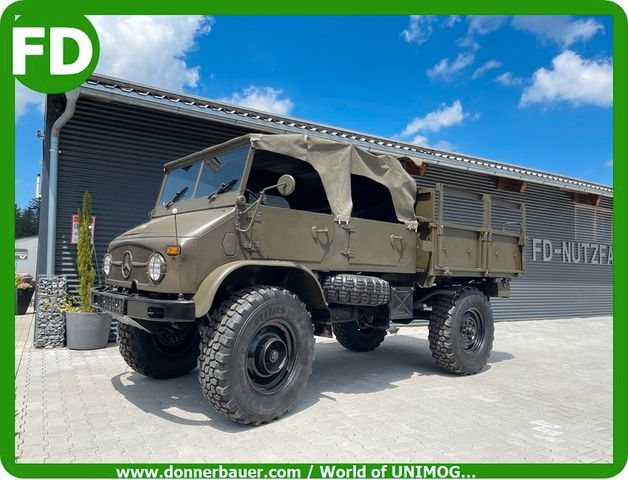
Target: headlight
[
  {"x": 106, "y": 264},
  {"x": 156, "y": 267}
]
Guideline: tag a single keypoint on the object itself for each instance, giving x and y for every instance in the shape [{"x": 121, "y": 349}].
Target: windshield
[{"x": 211, "y": 176}]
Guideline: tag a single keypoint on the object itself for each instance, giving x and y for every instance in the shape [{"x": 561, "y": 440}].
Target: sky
[{"x": 533, "y": 91}]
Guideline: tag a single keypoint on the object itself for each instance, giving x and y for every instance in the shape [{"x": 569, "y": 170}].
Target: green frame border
[{"x": 320, "y": 7}]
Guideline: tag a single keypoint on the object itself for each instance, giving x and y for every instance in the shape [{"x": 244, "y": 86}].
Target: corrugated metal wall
[{"x": 116, "y": 152}]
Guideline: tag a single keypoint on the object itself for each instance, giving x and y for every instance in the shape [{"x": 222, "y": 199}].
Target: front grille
[{"x": 128, "y": 264}]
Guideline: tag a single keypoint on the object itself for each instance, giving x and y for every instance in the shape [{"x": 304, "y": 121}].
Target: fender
[{"x": 295, "y": 277}]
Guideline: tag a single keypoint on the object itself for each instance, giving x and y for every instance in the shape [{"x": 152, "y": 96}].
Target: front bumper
[{"x": 125, "y": 306}]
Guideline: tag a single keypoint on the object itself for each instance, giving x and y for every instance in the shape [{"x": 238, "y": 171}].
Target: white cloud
[
  {"x": 485, "y": 67},
  {"x": 483, "y": 24},
  {"x": 150, "y": 49},
  {"x": 572, "y": 79},
  {"x": 446, "y": 69},
  {"x": 451, "y": 20},
  {"x": 423, "y": 141},
  {"x": 561, "y": 29},
  {"x": 419, "y": 29},
  {"x": 443, "y": 145},
  {"x": 507, "y": 79},
  {"x": 469, "y": 43},
  {"x": 25, "y": 99},
  {"x": 445, "y": 116},
  {"x": 419, "y": 140},
  {"x": 609, "y": 163},
  {"x": 266, "y": 99}
]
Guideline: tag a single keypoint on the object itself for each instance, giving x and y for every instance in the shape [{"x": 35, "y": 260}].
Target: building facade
[
  {"x": 112, "y": 137},
  {"x": 26, "y": 255}
]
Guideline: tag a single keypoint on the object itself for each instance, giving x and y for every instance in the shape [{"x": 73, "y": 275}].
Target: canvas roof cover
[{"x": 336, "y": 161}]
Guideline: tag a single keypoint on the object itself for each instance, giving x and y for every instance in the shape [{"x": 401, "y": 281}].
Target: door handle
[
  {"x": 396, "y": 239},
  {"x": 316, "y": 231}
]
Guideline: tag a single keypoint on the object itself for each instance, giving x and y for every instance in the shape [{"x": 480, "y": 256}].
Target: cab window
[
  {"x": 266, "y": 169},
  {"x": 204, "y": 177},
  {"x": 224, "y": 168},
  {"x": 180, "y": 183}
]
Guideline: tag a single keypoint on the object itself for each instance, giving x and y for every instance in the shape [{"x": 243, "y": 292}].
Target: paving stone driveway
[{"x": 544, "y": 397}]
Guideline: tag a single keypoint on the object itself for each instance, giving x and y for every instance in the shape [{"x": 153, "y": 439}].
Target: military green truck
[{"x": 258, "y": 244}]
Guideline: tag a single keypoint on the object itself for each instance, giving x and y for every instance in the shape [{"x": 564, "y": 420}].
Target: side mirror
[
  {"x": 286, "y": 185},
  {"x": 150, "y": 213},
  {"x": 240, "y": 203}
]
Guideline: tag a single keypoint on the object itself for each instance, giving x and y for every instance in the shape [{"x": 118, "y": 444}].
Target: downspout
[{"x": 71, "y": 98}]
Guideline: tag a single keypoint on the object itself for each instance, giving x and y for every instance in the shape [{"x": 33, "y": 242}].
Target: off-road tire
[
  {"x": 452, "y": 349},
  {"x": 350, "y": 289},
  {"x": 145, "y": 354},
  {"x": 226, "y": 358},
  {"x": 356, "y": 339}
]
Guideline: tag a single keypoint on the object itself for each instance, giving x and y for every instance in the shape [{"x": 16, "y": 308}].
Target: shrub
[{"x": 84, "y": 255}]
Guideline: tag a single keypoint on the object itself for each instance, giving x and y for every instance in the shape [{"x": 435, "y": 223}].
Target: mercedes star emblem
[{"x": 127, "y": 263}]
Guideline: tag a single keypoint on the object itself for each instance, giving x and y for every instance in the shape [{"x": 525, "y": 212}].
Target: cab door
[
  {"x": 298, "y": 227},
  {"x": 294, "y": 235}
]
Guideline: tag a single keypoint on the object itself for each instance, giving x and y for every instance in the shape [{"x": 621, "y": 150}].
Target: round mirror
[
  {"x": 286, "y": 184},
  {"x": 241, "y": 202}
]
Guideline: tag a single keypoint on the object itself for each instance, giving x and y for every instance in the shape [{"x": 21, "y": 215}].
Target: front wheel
[
  {"x": 169, "y": 354},
  {"x": 256, "y": 365},
  {"x": 461, "y": 331}
]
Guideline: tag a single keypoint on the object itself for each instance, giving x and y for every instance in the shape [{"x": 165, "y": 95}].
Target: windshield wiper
[
  {"x": 177, "y": 197},
  {"x": 222, "y": 189}
]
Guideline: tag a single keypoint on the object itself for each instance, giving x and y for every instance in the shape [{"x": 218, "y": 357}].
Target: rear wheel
[
  {"x": 358, "y": 336},
  {"x": 169, "y": 354},
  {"x": 256, "y": 366},
  {"x": 461, "y": 331}
]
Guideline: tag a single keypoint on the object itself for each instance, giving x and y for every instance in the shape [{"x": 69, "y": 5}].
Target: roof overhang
[{"x": 108, "y": 89}]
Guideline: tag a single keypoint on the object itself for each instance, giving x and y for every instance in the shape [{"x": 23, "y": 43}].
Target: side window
[
  {"x": 309, "y": 194},
  {"x": 371, "y": 200}
]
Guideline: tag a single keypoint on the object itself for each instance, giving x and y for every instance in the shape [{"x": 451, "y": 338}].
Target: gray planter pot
[{"x": 87, "y": 331}]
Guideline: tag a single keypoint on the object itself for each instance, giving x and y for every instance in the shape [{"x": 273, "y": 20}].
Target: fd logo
[
  {"x": 58, "y": 35},
  {"x": 53, "y": 54}
]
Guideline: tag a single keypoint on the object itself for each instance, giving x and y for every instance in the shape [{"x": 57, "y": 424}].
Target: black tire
[
  {"x": 348, "y": 289},
  {"x": 256, "y": 366},
  {"x": 159, "y": 356},
  {"x": 461, "y": 331},
  {"x": 357, "y": 339}
]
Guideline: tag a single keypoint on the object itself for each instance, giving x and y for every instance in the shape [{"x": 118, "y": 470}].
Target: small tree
[
  {"x": 84, "y": 263},
  {"x": 27, "y": 219}
]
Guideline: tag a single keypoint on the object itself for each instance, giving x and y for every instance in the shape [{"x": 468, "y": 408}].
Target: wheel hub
[
  {"x": 173, "y": 341},
  {"x": 270, "y": 357},
  {"x": 472, "y": 330}
]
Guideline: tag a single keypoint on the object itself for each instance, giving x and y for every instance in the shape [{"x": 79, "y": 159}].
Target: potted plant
[
  {"x": 23, "y": 293},
  {"x": 86, "y": 329}
]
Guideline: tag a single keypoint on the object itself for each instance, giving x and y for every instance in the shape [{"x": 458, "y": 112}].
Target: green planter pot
[
  {"x": 23, "y": 298},
  {"x": 87, "y": 331}
]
